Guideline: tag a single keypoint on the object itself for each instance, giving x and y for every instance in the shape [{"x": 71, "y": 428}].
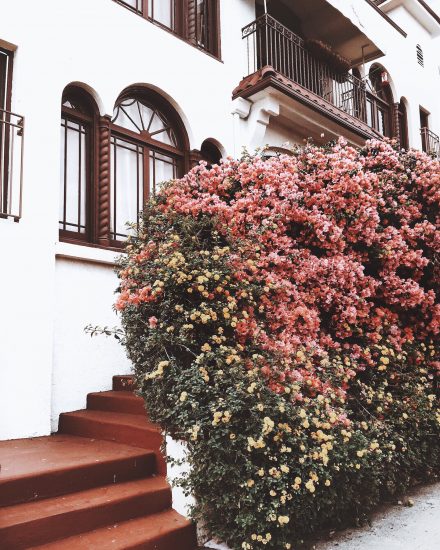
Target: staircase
[{"x": 98, "y": 484}]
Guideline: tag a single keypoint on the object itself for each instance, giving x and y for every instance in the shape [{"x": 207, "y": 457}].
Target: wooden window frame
[
  {"x": 6, "y": 93},
  {"x": 179, "y": 154},
  {"x": 91, "y": 148},
  {"x": 181, "y": 23}
]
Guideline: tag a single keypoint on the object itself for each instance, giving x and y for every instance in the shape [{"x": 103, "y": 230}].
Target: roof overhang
[
  {"x": 421, "y": 10},
  {"x": 321, "y": 20}
]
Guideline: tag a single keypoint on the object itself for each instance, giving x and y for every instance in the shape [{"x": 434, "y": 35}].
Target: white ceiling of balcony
[{"x": 321, "y": 21}]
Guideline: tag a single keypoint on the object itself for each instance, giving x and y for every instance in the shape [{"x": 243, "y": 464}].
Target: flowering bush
[{"x": 283, "y": 317}]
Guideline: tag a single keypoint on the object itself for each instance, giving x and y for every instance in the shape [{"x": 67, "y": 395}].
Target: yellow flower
[
  {"x": 250, "y": 482},
  {"x": 310, "y": 486},
  {"x": 327, "y": 483},
  {"x": 283, "y": 520},
  {"x": 206, "y": 347},
  {"x": 183, "y": 396}
]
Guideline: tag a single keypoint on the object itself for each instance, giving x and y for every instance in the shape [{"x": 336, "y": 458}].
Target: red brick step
[
  {"x": 129, "y": 429},
  {"x": 116, "y": 401},
  {"x": 123, "y": 383},
  {"x": 93, "y": 485},
  {"x": 49, "y": 466},
  {"x": 165, "y": 531},
  {"x": 44, "y": 521}
]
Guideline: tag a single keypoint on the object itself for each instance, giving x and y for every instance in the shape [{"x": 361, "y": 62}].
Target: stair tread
[
  {"x": 87, "y": 499},
  {"x": 110, "y": 417},
  {"x": 119, "y": 394},
  {"x": 127, "y": 534},
  {"x": 31, "y": 457}
]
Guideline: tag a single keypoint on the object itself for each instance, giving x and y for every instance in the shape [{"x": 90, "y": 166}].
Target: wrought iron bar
[
  {"x": 430, "y": 142},
  {"x": 270, "y": 43},
  {"x": 11, "y": 164}
]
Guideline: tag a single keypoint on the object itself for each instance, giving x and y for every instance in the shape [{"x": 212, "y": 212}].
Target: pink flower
[{"x": 152, "y": 322}]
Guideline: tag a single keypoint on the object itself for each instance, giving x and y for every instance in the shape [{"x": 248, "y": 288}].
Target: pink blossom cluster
[{"x": 345, "y": 244}]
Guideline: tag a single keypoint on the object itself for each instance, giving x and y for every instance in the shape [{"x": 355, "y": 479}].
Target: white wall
[
  {"x": 83, "y": 296},
  {"x": 47, "y": 364}
]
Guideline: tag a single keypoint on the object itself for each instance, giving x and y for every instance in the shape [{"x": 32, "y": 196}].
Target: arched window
[
  {"x": 77, "y": 174},
  {"x": 420, "y": 59},
  {"x": 148, "y": 146},
  {"x": 210, "y": 152}
]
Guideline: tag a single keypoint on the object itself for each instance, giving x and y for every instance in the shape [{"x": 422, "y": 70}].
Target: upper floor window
[
  {"x": 202, "y": 24},
  {"x": 148, "y": 147},
  {"x": 77, "y": 173},
  {"x": 194, "y": 20},
  {"x": 163, "y": 12}
]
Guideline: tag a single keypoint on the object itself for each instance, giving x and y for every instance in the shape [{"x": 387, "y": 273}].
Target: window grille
[
  {"x": 420, "y": 59},
  {"x": 11, "y": 145}
]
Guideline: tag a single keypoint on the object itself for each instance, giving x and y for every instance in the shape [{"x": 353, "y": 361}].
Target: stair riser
[
  {"x": 129, "y": 435},
  {"x": 182, "y": 539},
  {"x": 123, "y": 383},
  {"x": 74, "y": 522},
  {"x": 54, "y": 483},
  {"x": 99, "y": 402}
]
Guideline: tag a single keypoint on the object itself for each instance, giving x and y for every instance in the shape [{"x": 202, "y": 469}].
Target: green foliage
[{"x": 270, "y": 463}]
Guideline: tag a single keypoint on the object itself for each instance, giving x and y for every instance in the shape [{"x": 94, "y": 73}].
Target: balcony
[
  {"x": 280, "y": 59},
  {"x": 430, "y": 142},
  {"x": 11, "y": 164}
]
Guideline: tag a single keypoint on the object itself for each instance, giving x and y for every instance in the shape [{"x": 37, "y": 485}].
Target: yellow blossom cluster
[{"x": 158, "y": 372}]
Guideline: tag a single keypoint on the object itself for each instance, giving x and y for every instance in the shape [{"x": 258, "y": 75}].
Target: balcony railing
[
  {"x": 430, "y": 142},
  {"x": 269, "y": 43},
  {"x": 11, "y": 164}
]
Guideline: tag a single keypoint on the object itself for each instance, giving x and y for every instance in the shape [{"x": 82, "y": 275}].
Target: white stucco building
[{"x": 141, "y": 91}]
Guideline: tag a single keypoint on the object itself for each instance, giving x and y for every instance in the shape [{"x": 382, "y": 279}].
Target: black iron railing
[
  {"x": 11, "y": 164},
  {"x": 430, "y": 142},
  {"x": 269, "y": 43}
]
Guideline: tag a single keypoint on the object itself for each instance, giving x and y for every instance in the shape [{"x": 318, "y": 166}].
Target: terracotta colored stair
[{"x": 94, "y": 485}]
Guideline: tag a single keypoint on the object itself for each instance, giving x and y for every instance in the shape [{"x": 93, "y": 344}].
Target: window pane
[
  {"x": 162, "y": 11},
  {"x": 381, "y": 121},
  {"x": 138, "y": 117},
  {"x": 162, "y": 168},
  {"x": 73, "y": 180},
  {"x": 202, "y": 23},
  {"x": 135, "y": 5},
  {"x": 127, "y": 178}
]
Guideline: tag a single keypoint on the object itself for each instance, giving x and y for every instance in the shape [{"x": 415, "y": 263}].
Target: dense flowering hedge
[{"x": 283, "y": 317}]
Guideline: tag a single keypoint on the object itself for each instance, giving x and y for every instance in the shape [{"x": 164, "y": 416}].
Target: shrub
[{"x": 283, "y": 319}]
